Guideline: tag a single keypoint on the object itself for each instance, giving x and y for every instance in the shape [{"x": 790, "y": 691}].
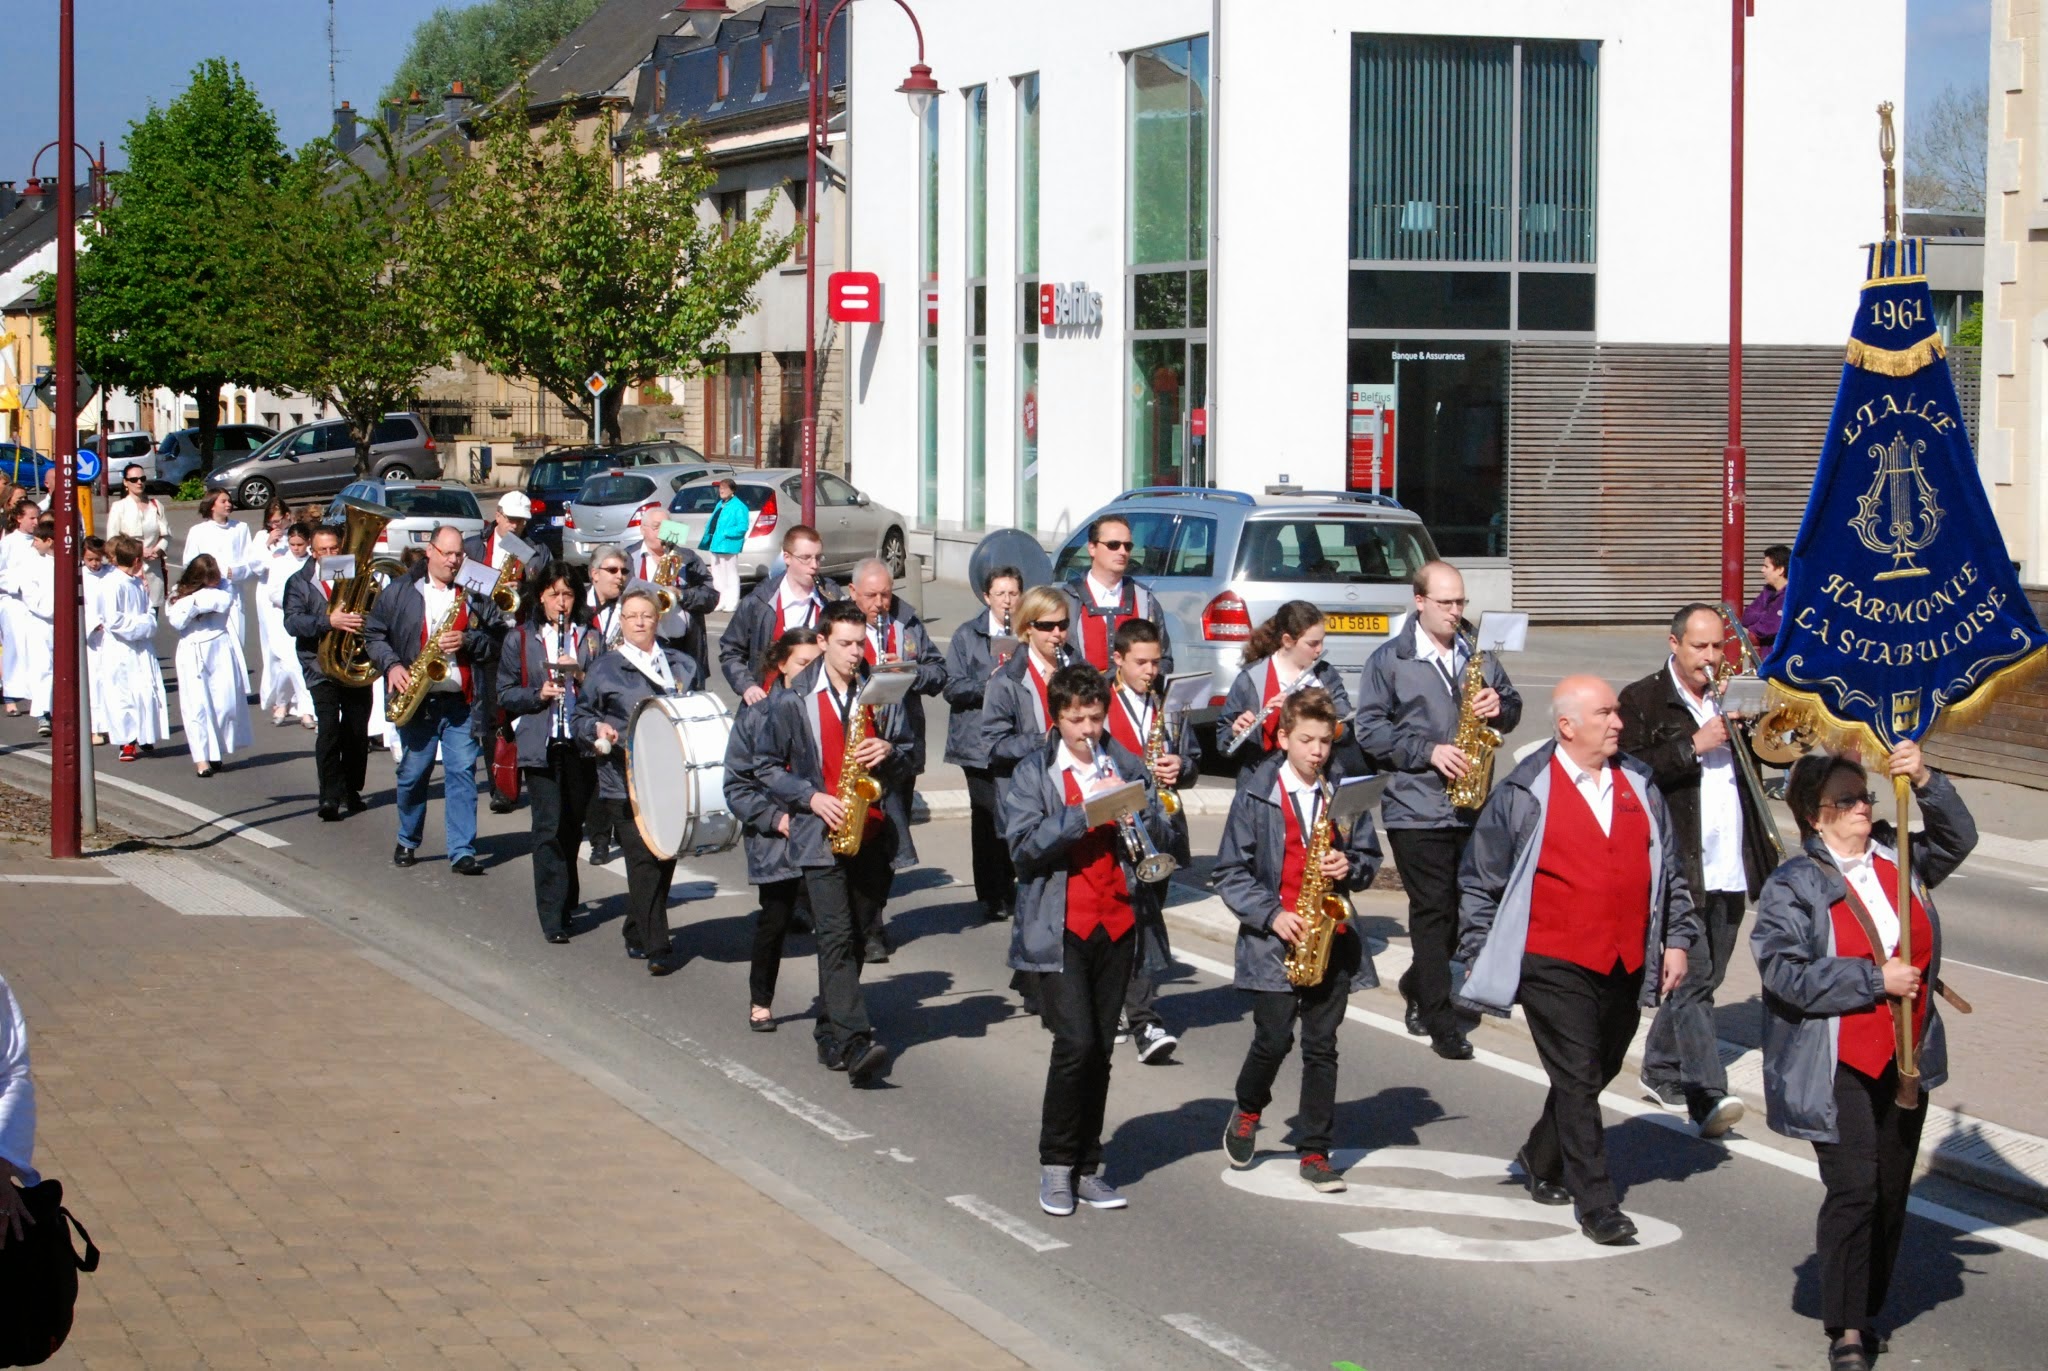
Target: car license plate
[
  {"x": 557, "y": 521},
  {"x": 421, "y": 535},
  {"x": 1355, "y": 623}
]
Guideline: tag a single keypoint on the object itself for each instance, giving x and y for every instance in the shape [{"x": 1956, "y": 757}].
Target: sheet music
[
  {"x": 516, "y": 548},
  {"x": 1743, "y": 695},
  {"x": 1111, "y": 805},
  {"x": 1355, "y": 795},
  {"x": 337, "y": 568},
  {"x": 476, "y": 576},
  {"x": 674, "y": 531},
  {"x": 885, "y": 687},
  {"x": 1187, "y": 691},
  {"x": 1003, "y": 645},
  {"x": 1503, "y": 631}
]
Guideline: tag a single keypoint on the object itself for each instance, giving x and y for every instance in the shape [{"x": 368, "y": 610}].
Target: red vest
[
  {"x": 1099, "y": 626},
  {"x": 1038, "y": 684},
  {"x": 1097, "y": 893},
  {"x": 868, "y": 645},
  {"x": 1122, "y": 726},
  {"x": 1591, "y": 900},
  {"x": 1294, "y": 859},
  {"x": 831, "y": 751},
  {"x": 1269, "y": 732},
  {"x": 1866, "y": 1036}
]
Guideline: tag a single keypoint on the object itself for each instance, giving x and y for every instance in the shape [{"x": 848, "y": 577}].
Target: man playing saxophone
[
  {"x": 799, "y": 758},
  {"x": 1276, "y": 825},
  {"x": 430, "y": 616},
  {"x": 1411, "y": 699}
]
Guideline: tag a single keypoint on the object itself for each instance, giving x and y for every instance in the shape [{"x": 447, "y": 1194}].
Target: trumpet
[{"x": 1152, "y": 865}]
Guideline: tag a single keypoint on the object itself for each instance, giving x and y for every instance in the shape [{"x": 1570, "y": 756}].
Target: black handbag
[{"x": 39, "y": 1278}]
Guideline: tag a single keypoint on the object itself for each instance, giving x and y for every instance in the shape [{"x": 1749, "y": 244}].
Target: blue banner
[{"x": 1902, "y": 602}]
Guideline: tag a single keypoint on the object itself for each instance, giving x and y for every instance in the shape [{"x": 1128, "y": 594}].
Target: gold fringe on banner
[
  {"x": 1903, "y": 362},
  {"x": 1803, "y": 723}
]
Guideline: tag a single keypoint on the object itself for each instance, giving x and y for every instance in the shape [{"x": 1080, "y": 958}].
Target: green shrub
[{"x": 193, "y": 489}]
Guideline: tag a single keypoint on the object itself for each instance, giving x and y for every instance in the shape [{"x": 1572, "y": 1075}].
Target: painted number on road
[{"x": 1274, "y": 1178}]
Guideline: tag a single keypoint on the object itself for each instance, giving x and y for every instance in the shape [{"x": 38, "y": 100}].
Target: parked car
[
  {"x": 852, "y": 526},
  {"x": 177, "y": 454},
  {"x": 557, "y": 478},
  {"x": 25, "y": 466},
  {"x": 607, "y": 509},
  {"x": 123, "y": 448},
  {"x": 320, "y": 458},
  {"x": 423, "y": 506},
  {"x": 1222, "y": 561}
]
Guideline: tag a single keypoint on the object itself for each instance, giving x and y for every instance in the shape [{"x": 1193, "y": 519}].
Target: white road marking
[
  {"x": 1636, "y": 1109},
  {"x": 169, "y": 801},
  {"x": 894, "y": 1154},
  {"x": 65, "y": 880},
  {"x": 1008, "y": 1224},
  {"x": 817, "y": 1116},
  {"x": 2036, "y": 980},
  {"x": 193, "y": 888},
  {"x": 1273, "y": 1178},
  {"x": 1225, "y": 1343}
]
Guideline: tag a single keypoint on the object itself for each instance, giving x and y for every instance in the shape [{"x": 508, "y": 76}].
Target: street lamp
[
  {"x": 701, "y": 17},
  {"x": 919, "y": 88}
]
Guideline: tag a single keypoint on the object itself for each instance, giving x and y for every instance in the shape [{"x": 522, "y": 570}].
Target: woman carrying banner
[{"x": 1827, "y": 943}]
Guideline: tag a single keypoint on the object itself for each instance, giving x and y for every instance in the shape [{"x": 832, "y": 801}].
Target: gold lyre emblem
[{"x": 1899, "y": 514}]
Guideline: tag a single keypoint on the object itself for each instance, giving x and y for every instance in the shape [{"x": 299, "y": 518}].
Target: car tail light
[
  {"x": 764, "y": 521},
  {"x": 569, "y": 518},
  {"x": 540, "y": 507},
  {"x": 1226, "y": 619},
  {"x": 1218, "y": 701},
  {"x": 429, "y": 443}
]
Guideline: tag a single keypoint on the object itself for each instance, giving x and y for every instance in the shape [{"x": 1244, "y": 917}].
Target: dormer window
[
  {"x": 767, "y": 66},
  {"x": 724, "y": 74}
]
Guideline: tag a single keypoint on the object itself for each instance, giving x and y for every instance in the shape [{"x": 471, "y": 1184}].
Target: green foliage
[
  {"x": 537, "y": 265},
  {"x": 1970, "y": 332},
  {"x": 488, "y": 46},
  {"x": 193, "y": 488}
]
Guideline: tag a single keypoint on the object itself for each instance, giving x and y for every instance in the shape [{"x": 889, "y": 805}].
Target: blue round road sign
[{"x": 88, "y": 465}]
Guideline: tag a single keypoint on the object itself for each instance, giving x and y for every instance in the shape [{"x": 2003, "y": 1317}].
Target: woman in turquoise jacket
[{"x": 725, "y": 532}]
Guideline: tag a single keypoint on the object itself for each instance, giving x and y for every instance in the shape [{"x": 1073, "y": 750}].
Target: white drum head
[{"x": 675, "y": 774}]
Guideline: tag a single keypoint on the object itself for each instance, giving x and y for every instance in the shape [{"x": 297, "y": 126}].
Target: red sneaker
[{"x": 129, "y": 752}]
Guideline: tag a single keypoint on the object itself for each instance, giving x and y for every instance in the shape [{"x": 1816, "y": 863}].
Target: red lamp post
[
  {"x": 65, "y": 721},
  {"x": 1734, "y": 458}
]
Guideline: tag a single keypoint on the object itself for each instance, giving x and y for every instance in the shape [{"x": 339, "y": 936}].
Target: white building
[{"x": 1494, "y": 233}]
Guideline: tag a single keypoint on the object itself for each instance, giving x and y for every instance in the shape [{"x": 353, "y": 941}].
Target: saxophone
[
  {"x": 1322, "y": 911},
  {"x": 1476, "y": 738},
  {"x": 1155, "y": 748},
  {"x": 857, "y": 789},
  {"x": 428, "y": 668},
  {"x": 505, "y": 594}
]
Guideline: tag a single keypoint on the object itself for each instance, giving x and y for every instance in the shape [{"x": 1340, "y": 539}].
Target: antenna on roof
[{"x": 330, "y": 54}]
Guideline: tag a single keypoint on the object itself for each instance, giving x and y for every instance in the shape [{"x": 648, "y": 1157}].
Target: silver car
[
  {"x": 851, "y": 526},
  {"x": 607, "y": 509},
  {"x": 1222, "y": 561},
  {"x": 423, "y": 506}
]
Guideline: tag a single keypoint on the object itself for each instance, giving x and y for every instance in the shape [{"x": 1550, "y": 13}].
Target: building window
[
  {"x": 1167, "y": 246},
  {"x": 732, "y": 211},
  {"x": 724, "y": 76},
  {"x": 660, "y": 89},
  {"x": 788, "y": 448},
  {"x": 928, "y": 309},
  {"x": 743, "y": 408},
  {"x": 767, "y": 64},
  {"x": 976, "y": 502},
  {"x": 1027, "y": 302}
]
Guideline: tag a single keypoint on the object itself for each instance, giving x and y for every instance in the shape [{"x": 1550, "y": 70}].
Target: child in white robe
[
  {"x": 213, "y": 685},
  {"x": 18, "y": 665},
  {"x": 137, "y": 713},
  {"x": 95, "y": 573},
  {"x": 284, "y": 682},
  {"x": 34, "y": 576}
]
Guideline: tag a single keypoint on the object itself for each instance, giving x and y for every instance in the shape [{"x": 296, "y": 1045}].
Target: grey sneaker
[
  {"x": 1670, "y": 1096},
  {"x": 1097, "y": 1193},
  {"x": 1241, "y": 1139},
  {"x": 1056, "y": 1190},
  {"x": 1719, "y": 1116},
  {"x": 1155, "y": 1045},
  {"x": 1316, "y": 1172}
]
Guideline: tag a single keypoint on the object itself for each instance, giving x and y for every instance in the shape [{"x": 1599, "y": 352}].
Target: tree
[
  {"x": 1946, "y": 150},
  {"x": 165, "y": 290},
  {"x": 489, "y": 45},
  {"x": 1970, "y": 332},
  {"x": 537, "y": 265}
]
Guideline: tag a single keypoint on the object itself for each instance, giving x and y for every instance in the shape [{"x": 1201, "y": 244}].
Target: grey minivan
[{"x": 319, "y": 458}]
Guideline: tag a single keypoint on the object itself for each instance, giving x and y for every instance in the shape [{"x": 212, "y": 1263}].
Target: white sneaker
[
  {"x": 1722, "y": 1115},
  {"x": 1155, "y": 1045}
]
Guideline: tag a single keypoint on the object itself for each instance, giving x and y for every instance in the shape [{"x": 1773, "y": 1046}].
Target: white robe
[
  {"x": 35, "y": 576},
  {"x": 228, "y": 544},
  {"x": 95, "y": 588},
  {"x": 284, "y": 682},
  {"x": 136, "y": 709},
  {"x": 22, "y": 660},
  {"x": 213, "y": 685}
]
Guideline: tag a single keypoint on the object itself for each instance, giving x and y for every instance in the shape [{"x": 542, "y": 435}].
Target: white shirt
[
  {"x": 809, "y": 605},
  {"x": 605, "y": 619},
  {"x": 1597, "y": 789},
  {"x": 140, "y": 518},
  {"x": 1861, "y": 874},
  {"x": 652, "y": 664},
  {"x": 1065, "y": 759},
  {"x": 1105, "y": 598},
  {"x": 1720, "y": 802},
  {"x": 995, "y": 626},
  {"x": 1139, "y": 710},
  {"x": 440, "y": 601},
  {"x": 1305, "y": 796},
  {"x": 1448, "y": 661}
]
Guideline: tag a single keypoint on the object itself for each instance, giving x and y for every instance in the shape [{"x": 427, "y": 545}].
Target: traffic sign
[
  {"x": 29, "y": 398},
  {"x": 87, "y": 465},
  {"x": 596, "y": 383},
  {"x": 854, "y": 297},
  {"x": 46, "y": 387}
]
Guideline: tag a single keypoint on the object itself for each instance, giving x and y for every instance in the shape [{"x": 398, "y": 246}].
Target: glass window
[
  {"x": 615, "y": 490},
  {"x": 833, "y": 491},
  {"x": 1446, "y": 406},
  {"x": 928, "y": 376},
  {"x": 1430, "y": 299},
  {"x": 1151, "y": 531},
  {"x": 439, "y": 502},
  {"x": 1159, "y": 299},
  {"x": 1027, "y": 435},
  {"x": 1555, "y": 300},
  {"x": 742, "y": 406},
  {"x": 1330, "y": 548},
  {"x": 928, "y": 456},
  {"x": 1169, "y": 153},
  {"x": 1194, "y": 554},
  {"x": 700, "y": 499},
  {"x": 391, "y": 431},
  {"x": 1167, "y": 140},
  {"x": 977, "y": 435},
  {"x": 1560, "y": 150},
  {"x": 977, "y": 180},
  {"x": 1156, "y": 429},
  {"x": 1027, "y": 302},
  {"x": 1027, "y": 174}
]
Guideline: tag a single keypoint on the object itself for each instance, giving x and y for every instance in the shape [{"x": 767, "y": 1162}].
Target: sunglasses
[
  {"x": 1116, "y": 544},
  {"x": 131, "y": 480},
  {"x": 611, "y": 571},
  {"x": 1050, "y": 625},
  {"x": 1868, "y": 798}
]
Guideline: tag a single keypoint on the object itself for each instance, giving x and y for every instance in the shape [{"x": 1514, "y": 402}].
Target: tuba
[
  {"x": 1476, "y": 738},
  {"x": 1322, "y": 910},
  {"x": 342, "y": 655}
]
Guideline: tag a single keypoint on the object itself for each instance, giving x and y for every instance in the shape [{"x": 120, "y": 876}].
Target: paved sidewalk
[{"x": 293, "y": 1158}]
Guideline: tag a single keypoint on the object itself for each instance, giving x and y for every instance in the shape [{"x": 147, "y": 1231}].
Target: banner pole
[{"x": 1906, "y": 1011}]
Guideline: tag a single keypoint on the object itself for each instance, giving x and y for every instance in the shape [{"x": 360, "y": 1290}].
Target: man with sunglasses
[
  {"x": 1104, "y": 599},
  {"x": 1409, "y": 699},
  {"x": 137, "y": 515},
  {"x": 794, "y": 599},
  {"x": 1672, "y": 724}
]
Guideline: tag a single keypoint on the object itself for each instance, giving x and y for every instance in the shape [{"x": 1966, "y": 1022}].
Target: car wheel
[
  {"x": 254, "y": 493},
  {"x": 395, "y": 473},
  {"x": 892, "y": 553}
]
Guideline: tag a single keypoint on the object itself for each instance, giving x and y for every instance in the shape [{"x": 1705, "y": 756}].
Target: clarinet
[{"x": 563, "y": 645}]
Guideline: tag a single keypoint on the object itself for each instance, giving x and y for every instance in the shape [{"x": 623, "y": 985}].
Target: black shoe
[
  {"x": 466, "y": 865},
  {"x": 996, "y": 911},
  {"x": 1848, "y": 1356},
  {"x": 831, "y": 1055},
  {"x": 402, "y": 856},
  {"x": 329, "y": 814},
  {"x": 755, "y": 1025},
  {"x": 1412, "y": 1018},
  {"x": 502, "y": 806},
  {"x": 863, "y": 1058},
  {"x": 1452, "y": 1047},
  {"x": 601, "y": 855},
  {"x": 558, "y": 937},
  {"x": 1241, "y": 1138},
  {"x": 1540, "y": 1190},
  {"x": 355, "y": 804},
  {"x": 1607, "y": 1225},
  {"x": 664, "y": 963},
  {"x": 877, "y": 950}
]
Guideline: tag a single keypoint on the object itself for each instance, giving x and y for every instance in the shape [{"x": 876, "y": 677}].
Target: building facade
[
  {"x": 2013, "y": 455},
  {"x": 1344, "y": 245}
]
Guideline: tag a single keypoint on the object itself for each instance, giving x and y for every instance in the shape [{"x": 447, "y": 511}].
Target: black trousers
[
  {"x": 647, "y": 881},
  {"x": 1320, "y": 1009},
  {"x": 995, "y": 878},
  {"x": 771, "y": 927},
  {"x": 1683, "y": 1048},
  {"x": 1139, "y": 996},
  {"x": 558, "y": 797},
  {"x": 846, "y": 901},
  {"x": 1081, "y": 1001},
  {"x": 599, "y": 828},
  {"x": 341, "y": 744},
  {"x": 1427, "y": 859},
  {"x": 1867, "y": 1174},
  {"x": 1582, "y": 1022}
]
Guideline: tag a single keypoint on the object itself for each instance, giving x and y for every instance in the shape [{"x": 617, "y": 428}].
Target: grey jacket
[
  {"x": 1405, "y": 708},
  {"x": 1807, "y": 987},
  {"x": 305, "y": 618},
  {"x": 1499, "y": 871},
  {"x": 610, "y": 693},
  {"x": 914, "y": 645},
  {"x": 1040, "y": 826},
  {"x": 522, "y": 671},
  {"x": 970, "y": 662},
  {"x": 1013, "y": 723},
  {"x": 1248, "y": 871},
  {"x": 785, "y": 762},
  {"x": 1245, "y": 690},
  {"x": 752, "y": 631},
  {"x": 694, "y": 598},
  {"x": 751, "y": 803},
  {"x": 1138, "y": 603}
]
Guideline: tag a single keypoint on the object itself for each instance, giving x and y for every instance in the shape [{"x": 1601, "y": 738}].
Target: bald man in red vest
[{"x": 1573, "y": 903}]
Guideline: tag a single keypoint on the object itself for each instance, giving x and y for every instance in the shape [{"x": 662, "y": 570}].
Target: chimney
[
  {"x": 345, "y": 136},
  {"x": 9, "y": 198},
  {"x": 415, "y": 118},
  {"x": 455, "y": 103},
  {"x": 394, "y": 117}
]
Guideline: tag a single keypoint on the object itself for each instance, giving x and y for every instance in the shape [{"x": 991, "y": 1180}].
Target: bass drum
[
  {"x": 675, "y": 775},
  {"x": 1009, "y": 547}
]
